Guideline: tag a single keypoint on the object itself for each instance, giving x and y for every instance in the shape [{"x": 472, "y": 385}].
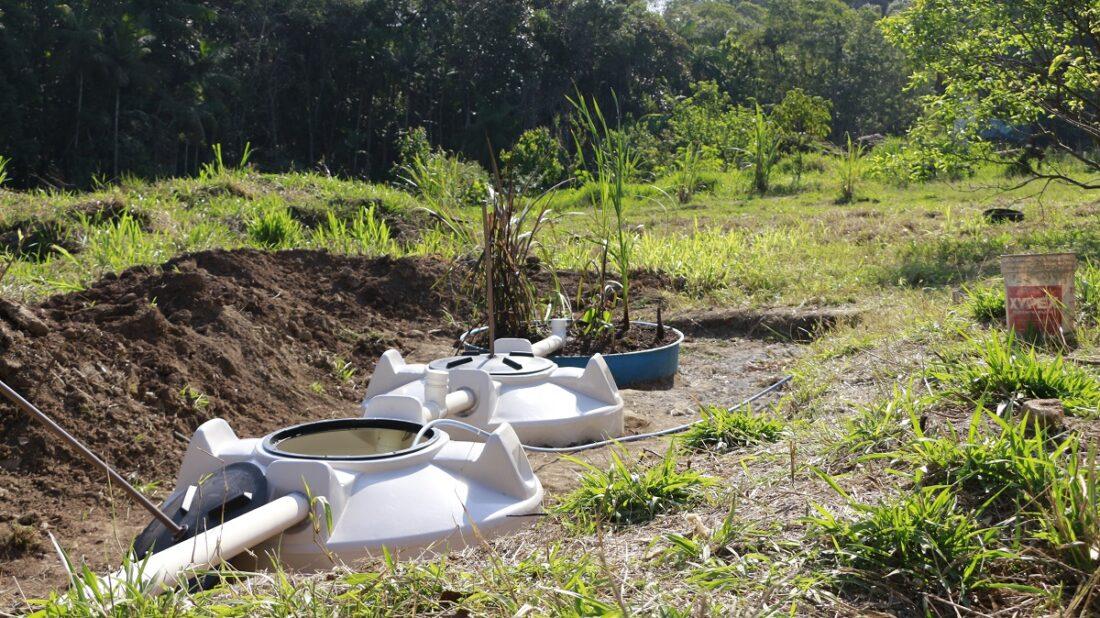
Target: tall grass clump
[
  {"x": 1010, "y": 467},
  {"x": 365, "y": 234},
  {"x": 921, "y": 541},
  {"x": 440, "y": 179},
  {"x": 217, "y": 168},
  {"x": 722, "y": 430},
  {"x": 503, "y": 240},
  {"x": 763, "y": 151},
  {"x": 626, "y": 494},
  {"x": 273, "y": 227},
  {"x": 689, "y": 166},
  {"x": 4, "y": 163},
  {"x": 999, "y": 368},
  {"x": 1087, "y": 289},
  {"x": 851, "y": 160},
  {"x": 985, "y": 304},
  {"x": 120, "y": 245},
  {"x": 1068, "y": 512},
  {"x": 1046, "y": 486}
]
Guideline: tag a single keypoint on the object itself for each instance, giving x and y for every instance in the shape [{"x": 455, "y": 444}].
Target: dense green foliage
[
  {"x": 1025, "y": 69},
  {"x": 101, "y": 89}
]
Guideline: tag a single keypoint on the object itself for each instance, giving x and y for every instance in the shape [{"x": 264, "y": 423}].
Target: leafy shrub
[
  {"x": 439, "y": 178},
  {"x": 923, "y": 156},
  {"x": 273, "y": 227},
  {"x": 623, "y": 494},
  {"x": 4, "y": 163},
  {"x": 985, "y": 304},
  {"x": 922, "y": 541},
  {"x": 709, "y": 122},
  {"x": 722, "y": 429},
  {"x": 412, "y": 145},
  {"x": 999, "y": 368},
  {"x": 802, "y": 121},
  {"x": 535, "y": 162}
]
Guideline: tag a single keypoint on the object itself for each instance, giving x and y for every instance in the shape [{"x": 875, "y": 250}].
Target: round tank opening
[{"x": 348, "y": 439}]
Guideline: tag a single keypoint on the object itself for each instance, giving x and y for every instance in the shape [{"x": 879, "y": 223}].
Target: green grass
[
  {"x": 1010, "y": 467},
  {"x": 998, "y": 367},
  {"x": 985, "y": 304},
  {"x": 929, "y": 524},
  {"x": 274, "y": 228},
  {"x": 922, "y": 542},
  {"x": 883, "y": 425},
  {"x": 722, "y": 430},
  {"x": 626, "y": 493}
]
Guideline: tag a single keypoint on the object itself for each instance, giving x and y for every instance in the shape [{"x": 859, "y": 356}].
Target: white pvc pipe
[
  {"x": 460, "y": 401},
  {"x": 169, "y": 567},
  {"x": 559, "y": 327}
]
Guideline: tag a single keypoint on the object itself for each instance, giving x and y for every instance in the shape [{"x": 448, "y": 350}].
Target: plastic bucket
[
  {"x": 1039, "y": 295},
  {"x": 628, "y": 368}
]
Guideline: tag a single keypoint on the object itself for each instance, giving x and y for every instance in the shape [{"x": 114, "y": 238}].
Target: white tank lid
[{"x": 513, "y": 364}]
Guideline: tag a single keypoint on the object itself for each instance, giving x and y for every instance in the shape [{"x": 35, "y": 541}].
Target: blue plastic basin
[{"x": 628, "y": 368}]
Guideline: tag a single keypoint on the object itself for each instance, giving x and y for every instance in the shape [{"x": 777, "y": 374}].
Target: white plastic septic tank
[
  {"x": 545, "y": 404},
  {"x": 381, "y": 490}
]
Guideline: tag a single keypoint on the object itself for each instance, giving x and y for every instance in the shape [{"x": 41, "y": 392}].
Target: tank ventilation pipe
[
  {"x": 178, "y": 563},
  {"x": 442, "y": 403},
  {"x": 559, "y": 329}
]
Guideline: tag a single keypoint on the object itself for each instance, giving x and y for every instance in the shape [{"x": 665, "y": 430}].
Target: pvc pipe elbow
[{"x": 559, "y": 330}]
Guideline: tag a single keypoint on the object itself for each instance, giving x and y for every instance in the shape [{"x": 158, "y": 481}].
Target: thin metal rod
[
  {"x": 489, "y": 300},
  {"x": 60, "y": 432}
]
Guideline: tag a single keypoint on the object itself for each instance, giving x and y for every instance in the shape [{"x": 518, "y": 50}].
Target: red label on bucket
[{"x": 1034, "y": 308}]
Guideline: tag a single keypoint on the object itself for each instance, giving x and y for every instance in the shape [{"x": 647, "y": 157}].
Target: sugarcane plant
[{"x": 610, "y": 160}]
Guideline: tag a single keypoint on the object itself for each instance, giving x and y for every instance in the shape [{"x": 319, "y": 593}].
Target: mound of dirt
[{"x": 136, "y": 362}]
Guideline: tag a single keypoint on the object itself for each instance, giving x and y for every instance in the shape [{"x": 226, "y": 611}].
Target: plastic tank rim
[{"x": 271, "y": 442}]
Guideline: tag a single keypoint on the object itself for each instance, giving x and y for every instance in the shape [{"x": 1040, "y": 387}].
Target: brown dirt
[
  {"x": 787, "y": 324},
  {"x": 256, "y": 334}
]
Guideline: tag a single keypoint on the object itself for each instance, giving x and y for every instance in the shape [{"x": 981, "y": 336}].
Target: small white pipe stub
[
  {"x": 168, "y": 568},
  {"x": 435, "y": 388},
  {"x": 559, "y": 329},
  {"x": 462, "y": 400}
]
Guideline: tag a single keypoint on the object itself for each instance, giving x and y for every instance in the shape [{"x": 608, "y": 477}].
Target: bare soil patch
[{"x": 800, "y": 324}]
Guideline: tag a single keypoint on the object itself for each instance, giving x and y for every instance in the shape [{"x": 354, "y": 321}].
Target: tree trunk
[
  {"x": 118, "y": 98},
  {"x": 79, "y": 113}
]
